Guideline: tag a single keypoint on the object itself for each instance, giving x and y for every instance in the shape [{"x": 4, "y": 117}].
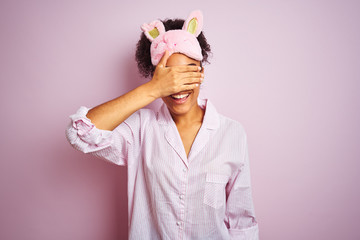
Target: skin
[
  {"x": 188, "y": 116},
  {"x": 174, "y": 74},
  {"x": 189, "y": 110}
]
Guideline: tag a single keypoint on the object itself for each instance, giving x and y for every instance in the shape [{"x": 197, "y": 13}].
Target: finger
[
  {"x": 190, "y": 81},
  {"x": 189, "y": 87},
  {"x": 191, "y": 68},
  {"x": 163, "y": 60},
  {"x": 185, "y": 77}
]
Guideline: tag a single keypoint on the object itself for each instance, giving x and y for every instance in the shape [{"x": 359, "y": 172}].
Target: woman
[{"x": 188, "y": 166}]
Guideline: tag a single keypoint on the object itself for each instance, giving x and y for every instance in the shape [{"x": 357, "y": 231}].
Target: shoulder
[
  {"x": 231, "y": 125},
  {"x": 226, "y": 126}
]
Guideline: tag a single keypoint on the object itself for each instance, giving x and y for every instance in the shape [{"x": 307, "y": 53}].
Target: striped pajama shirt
[{"x": 205, "y": 195}]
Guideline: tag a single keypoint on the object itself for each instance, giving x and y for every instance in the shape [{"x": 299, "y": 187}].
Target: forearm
[
  {"x": 166, "y": 81},
  {"x": 109, "y": 115}
]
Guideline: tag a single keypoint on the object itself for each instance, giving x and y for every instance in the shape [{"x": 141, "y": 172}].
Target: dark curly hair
[{"x": 143, "y": 57}]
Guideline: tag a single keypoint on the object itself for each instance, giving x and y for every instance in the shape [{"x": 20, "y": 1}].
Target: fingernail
[
  {"x": 199, "y": 68},
  {"x": 202, "y": 75}
]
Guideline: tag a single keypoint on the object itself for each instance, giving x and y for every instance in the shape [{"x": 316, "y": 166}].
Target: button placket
[{"x": 180, "y": 222}]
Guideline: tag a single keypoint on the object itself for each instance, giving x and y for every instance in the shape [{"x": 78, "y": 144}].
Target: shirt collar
[{"x": 211, "y": 118}]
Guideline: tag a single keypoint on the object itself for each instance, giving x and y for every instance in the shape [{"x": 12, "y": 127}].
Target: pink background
[{"x": 287, "y": 70}]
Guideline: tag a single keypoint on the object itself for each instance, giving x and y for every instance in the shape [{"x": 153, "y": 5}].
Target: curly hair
[{"x": 143, "y": 57}]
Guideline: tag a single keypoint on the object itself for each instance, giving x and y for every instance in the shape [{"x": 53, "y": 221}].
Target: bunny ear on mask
[
  {"x": 194, "y": 23},
  {"x": 153, "y": 29}
]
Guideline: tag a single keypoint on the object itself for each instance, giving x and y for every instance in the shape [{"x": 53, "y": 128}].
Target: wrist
[{"x": 151, "y": 91}]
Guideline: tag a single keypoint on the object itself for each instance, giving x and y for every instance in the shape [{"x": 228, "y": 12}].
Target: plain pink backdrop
[{"x": 287, "y": 70}]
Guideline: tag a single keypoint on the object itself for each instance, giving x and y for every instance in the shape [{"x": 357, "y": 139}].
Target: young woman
[{"x": 188, "y": 166}]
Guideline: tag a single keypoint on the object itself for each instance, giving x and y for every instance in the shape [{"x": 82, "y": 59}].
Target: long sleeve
[
  {"x": 112, "y": 146},
  {"x": 240, "y": 214}
]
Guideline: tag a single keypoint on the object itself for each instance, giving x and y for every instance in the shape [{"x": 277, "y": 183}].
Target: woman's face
[{"x": 184, "y": 105}]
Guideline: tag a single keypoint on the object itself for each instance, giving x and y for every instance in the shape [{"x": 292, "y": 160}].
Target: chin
[{"x": 179, "y": 110}]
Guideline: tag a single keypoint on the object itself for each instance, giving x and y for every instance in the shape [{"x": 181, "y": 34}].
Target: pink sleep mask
[{"x": 175, "y": 41}]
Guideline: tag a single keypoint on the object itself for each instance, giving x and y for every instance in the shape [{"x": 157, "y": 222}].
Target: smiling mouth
[{"x": 179, "y": 96}]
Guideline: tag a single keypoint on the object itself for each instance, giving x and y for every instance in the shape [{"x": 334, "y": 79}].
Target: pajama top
[{"x": 206, "y": 195}]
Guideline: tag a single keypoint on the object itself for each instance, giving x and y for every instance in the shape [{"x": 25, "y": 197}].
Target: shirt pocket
[{"x": 214, "y": 194}]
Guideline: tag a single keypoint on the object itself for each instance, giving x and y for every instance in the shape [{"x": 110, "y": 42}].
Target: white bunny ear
[
  {"x": 153, "y": 30},
  {"x": 194, "y": 23}
]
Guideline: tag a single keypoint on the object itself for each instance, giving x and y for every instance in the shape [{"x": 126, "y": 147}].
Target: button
[
  {"x": 181, "y": 196},
  {"x": 184, "y": 170},
  {"x": 178, "y": 223}
]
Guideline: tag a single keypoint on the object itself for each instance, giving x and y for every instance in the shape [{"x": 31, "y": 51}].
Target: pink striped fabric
[{"x": 206, "y": 195}]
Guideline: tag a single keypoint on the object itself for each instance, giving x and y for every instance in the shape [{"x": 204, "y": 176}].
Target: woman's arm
[
  {"x": 99, "y": 131},
  {"x": 166, "y": 81},
  {"x": 240, "y": 213},
  {"x": 109, "y": 115}
]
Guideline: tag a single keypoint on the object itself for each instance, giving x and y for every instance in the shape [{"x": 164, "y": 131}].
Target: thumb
[{"x": 163, "y": 60}]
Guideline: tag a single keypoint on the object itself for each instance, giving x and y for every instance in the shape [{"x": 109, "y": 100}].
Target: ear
[
  {"x": 194, "y": 23},
  {"x": 153, "y": 29}
]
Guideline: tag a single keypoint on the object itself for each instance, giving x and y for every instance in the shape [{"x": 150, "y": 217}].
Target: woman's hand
[{"x": 169, "y": 80}]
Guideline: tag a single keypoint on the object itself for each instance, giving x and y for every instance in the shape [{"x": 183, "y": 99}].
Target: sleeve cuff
[{"x": 87, "y": 131}]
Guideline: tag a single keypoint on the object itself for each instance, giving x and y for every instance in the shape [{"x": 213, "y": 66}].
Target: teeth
[{"x": 179, "y": 96}]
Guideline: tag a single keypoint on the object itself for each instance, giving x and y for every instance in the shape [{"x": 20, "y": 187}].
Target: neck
[{"x": 195, "y": 115}]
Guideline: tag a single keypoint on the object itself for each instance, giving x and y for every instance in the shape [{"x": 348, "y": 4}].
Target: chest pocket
[{"x": 214, "y": 194}]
